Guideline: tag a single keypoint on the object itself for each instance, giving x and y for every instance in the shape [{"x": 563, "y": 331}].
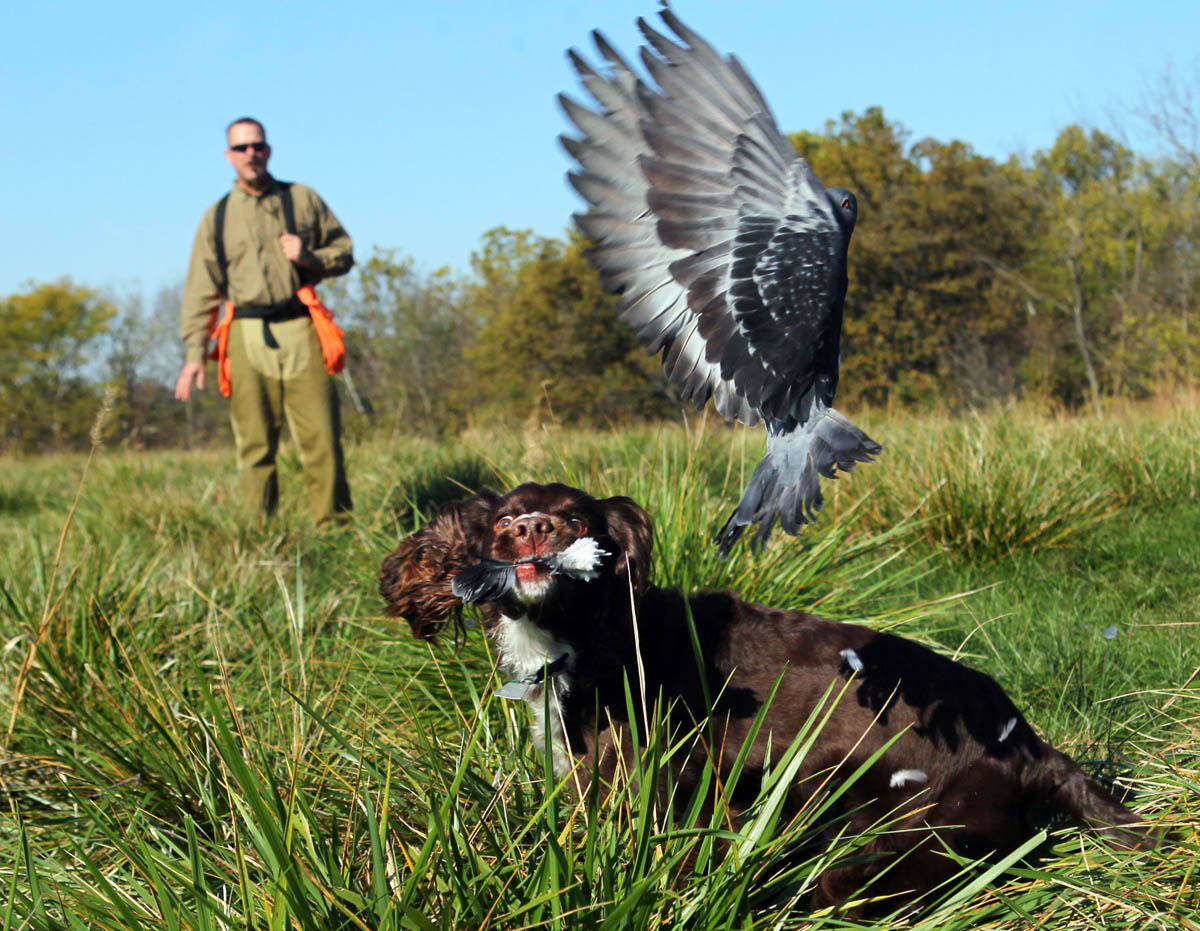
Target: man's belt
[
  {"x": 272, "y": 313},
  {"x": 329, "y": 334}
]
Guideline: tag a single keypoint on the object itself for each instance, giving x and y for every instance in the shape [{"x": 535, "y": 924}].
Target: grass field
[{"x": 208, "y": 725}]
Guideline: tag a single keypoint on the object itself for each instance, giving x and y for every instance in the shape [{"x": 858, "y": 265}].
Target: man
[{"x": 275, "y": 366}]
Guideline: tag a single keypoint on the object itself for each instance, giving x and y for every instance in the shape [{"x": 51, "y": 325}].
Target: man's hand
[
  {"x": 294, "y": 251},
  {"x": 192, "y": 371}
]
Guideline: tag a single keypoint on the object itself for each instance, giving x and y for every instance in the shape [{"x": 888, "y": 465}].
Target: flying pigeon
[{"x": 729, "y": 254}]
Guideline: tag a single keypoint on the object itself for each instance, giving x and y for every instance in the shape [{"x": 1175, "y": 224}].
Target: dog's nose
[{"x": 532, "y": 529}]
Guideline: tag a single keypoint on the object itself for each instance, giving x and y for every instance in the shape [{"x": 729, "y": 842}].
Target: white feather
[
  {"x": 901, "y": 776},
  {"x": 581, "y": 559}
]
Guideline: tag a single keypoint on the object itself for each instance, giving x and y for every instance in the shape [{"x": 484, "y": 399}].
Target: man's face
[{"x": 248, "y": 153}]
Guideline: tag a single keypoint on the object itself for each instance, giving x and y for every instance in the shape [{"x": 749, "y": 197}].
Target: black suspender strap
[
  {"x": 219, "y": 244},
  {"x": 289, "y": 219},
  {"x": 285, "y": 203}
]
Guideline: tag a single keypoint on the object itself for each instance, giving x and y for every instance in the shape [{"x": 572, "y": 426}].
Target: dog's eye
[
  {"x": 503, "y": 522},
  {"x": 576, "y": 526}
]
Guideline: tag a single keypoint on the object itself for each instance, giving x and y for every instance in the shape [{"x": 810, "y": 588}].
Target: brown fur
[
  {"x": 984, "y": 768},
  {"x": 415, "y": 579}
]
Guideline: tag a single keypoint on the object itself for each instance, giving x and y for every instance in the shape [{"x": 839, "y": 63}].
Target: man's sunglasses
[{"x": 256, "y": 146}]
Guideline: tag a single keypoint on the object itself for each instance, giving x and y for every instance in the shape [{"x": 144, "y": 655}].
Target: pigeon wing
[
  {"x": 720, "y": 239},
  {"x": 629, "y": 254},
  {"x": 486, "y": 580}
]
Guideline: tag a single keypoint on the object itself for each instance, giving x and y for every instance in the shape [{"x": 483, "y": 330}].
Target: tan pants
[{"x": 271, "y": 385}]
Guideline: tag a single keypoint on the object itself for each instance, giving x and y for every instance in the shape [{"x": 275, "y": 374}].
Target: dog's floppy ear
[
  {"x": 631, "y": 528},
  {"x": 415, "y": 579}
]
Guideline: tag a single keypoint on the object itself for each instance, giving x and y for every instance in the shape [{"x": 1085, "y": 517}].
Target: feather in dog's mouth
[{"x": 490, "y": 579}]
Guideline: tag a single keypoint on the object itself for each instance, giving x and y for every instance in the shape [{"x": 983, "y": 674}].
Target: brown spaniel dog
[{"x": 562, "y": 580}]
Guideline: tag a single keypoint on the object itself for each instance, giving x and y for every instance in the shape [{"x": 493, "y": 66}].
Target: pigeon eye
[{"x": 845, "y": 203}]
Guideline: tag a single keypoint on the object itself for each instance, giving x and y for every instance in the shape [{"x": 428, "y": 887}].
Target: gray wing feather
[{"x": 630, "y": 255}]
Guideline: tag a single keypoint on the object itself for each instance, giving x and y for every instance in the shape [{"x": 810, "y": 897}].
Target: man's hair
[{"x": 246, "y": 119}]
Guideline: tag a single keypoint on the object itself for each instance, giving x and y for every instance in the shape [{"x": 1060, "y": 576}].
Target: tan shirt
[{"x": 258, "y": 271}]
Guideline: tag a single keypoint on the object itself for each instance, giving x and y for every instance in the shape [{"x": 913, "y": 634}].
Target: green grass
[{"x": 212, "y": 726}]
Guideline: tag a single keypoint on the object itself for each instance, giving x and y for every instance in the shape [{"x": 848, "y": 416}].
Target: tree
[
  {"x": 405, "y": 335},
  {"x": 929, "y": 312},
  {"x": 549, "y": 336},
  {"x": 1176, "y": 278},
  {"x": 1102, "y": 223},
  {"x": 48, "y": 391},
  {"x": 1172, "y": 111},
  {"x": 143, "y": 356}
]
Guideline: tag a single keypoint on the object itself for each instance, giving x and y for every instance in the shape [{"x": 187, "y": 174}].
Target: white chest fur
[{"x": 523, "y": 649}]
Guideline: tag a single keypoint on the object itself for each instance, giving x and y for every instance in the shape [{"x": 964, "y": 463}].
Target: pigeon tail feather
[{"x": 786, "y": 484}]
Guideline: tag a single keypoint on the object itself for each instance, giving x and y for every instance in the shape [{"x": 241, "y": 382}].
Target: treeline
[{"x": 1069, "y": 276}]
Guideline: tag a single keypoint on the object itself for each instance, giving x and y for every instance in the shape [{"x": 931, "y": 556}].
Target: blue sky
[{"x": 423, "y": 125}]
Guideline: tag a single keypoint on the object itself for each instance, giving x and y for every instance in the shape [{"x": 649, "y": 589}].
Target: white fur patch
[
  {"x": 1007, "y": 729},
  {"x": 523, "y": 649},
  {"x": 901, "y": 776},
  {"x": 852, "y": 659},
  {"x": 532, "y": 591},
  {"x": 581, "y": 559}
]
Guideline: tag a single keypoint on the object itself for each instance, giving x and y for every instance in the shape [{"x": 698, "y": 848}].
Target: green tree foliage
[
  {"x": 928, "y": 312},
  {"x": 143, "y": 356},
  {"x": 405, "y": 336},
  {"x": 549, "y": 338},
  {"x": 48, "y": 374},
  {"x": 1112, "y": 277},
  {"x": 1172, "y": 111},
  {"x": 1080, "y": 180},
  {"x": 1177, "y": 282}
]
